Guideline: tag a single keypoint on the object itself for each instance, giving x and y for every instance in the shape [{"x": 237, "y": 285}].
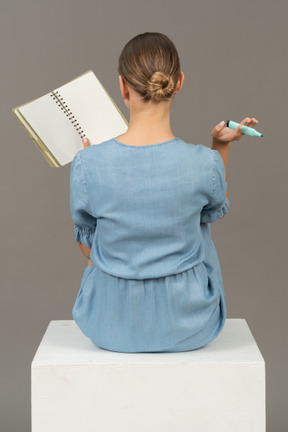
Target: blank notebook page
[{"x": 95, "y": 116}]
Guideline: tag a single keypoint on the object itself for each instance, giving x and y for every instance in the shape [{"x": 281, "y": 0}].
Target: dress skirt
[{"x": 179, "y": 312}]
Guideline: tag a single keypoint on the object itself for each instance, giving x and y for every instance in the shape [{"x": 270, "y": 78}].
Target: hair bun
[{"x": 160, "y": 86}]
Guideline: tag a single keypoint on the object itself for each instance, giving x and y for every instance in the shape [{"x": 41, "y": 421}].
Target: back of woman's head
[{"x": 149, "y": 64}]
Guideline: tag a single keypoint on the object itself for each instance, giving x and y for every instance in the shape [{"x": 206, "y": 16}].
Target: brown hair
[{"x": 149, "y": 64}]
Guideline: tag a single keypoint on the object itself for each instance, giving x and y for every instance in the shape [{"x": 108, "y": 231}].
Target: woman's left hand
[{"x": 86, "y": 142}]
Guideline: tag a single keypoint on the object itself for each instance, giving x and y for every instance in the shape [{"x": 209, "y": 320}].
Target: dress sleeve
[
  {"x": 84, "y": 222},
  {"x": 218, "y": 203}
]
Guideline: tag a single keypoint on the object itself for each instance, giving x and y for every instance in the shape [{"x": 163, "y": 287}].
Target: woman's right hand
[{"x": 223, "y": 135}]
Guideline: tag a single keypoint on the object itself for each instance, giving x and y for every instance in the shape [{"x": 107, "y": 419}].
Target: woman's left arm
[{"x": 84, "y": 222}]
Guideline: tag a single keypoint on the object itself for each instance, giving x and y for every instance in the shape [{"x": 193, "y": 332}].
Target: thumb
[
  {"x": 86, "y": 142},
  {"x": 218, "y": 128}
]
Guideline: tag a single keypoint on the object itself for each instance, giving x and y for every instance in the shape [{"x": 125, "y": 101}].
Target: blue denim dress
[{"x": 155, "y": 284}]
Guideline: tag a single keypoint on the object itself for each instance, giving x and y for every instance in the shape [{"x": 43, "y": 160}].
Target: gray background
[{"x": 234, "y": 57}]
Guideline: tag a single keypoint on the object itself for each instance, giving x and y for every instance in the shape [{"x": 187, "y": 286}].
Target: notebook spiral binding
[{"x": 63, "y": 105}]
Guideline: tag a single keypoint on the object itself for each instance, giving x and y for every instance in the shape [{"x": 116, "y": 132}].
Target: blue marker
[{"x": 247, "y": 130}]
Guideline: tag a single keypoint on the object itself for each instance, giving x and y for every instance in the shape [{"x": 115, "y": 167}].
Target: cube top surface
[{"x": 64, "y": 343}]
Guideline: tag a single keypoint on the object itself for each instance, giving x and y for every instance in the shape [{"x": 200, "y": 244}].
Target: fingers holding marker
[
  {"x": 234, "y": 130},
  {"x": 236, "y": 134},
  {"x": 245, "y": 122},
  {"x": 249, "y": 121},
  {"x": 247, "y": 126},
  {"x": 239, "y": 131},
  {"x": 254, "y": 121}
]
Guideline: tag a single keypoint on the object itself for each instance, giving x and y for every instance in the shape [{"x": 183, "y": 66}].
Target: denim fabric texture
[{"x": 155, "y": 284}]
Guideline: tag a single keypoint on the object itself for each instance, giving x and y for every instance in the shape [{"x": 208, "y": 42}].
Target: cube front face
[{"x": 186, "y": 397}]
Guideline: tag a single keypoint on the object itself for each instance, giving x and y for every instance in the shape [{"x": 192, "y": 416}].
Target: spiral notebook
[{"x": 59, "y": 120}]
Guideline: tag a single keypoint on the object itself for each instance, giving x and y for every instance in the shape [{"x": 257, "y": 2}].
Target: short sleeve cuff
[
  {"x": 84, "y": 236},
  {"x": 218, "y": 214}
]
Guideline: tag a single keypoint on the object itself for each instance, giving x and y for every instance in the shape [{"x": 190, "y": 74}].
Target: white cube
[{"x": 78, "y": 387}]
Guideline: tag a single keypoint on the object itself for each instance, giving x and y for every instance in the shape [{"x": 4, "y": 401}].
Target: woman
[{"x": 142, "y": 204}]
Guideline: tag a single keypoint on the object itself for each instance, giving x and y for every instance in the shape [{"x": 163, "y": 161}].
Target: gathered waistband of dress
[{"x": 189, "y": 269}]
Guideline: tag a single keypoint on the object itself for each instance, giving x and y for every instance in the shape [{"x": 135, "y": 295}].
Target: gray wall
[{"x": 234, "y": 56}]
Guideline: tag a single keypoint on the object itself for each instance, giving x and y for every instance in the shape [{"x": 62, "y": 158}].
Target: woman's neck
[{"x": 148, "y": 127}]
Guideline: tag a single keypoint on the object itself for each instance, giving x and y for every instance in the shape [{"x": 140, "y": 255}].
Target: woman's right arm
[
  {"x": 222, "y": 137},
  {"x": 223, "y": 149}
]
